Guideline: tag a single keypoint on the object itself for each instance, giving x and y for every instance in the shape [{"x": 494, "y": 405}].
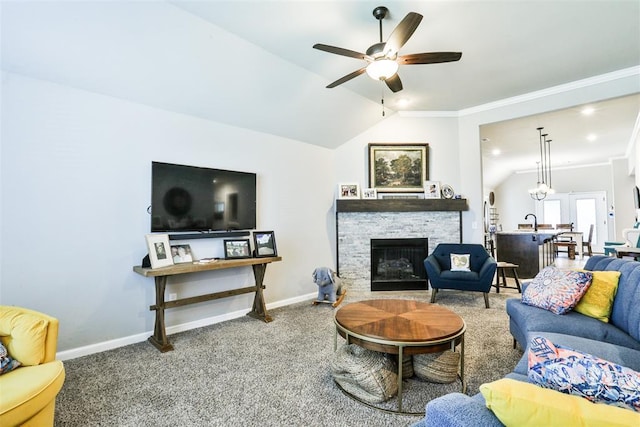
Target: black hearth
[{"x": 398, "y": 264}]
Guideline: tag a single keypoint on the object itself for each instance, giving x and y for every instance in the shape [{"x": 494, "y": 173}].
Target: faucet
[{"x": 535, "y": 220}]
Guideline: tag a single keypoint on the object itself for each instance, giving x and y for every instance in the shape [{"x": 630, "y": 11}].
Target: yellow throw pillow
[
  {"x": 522, "y": 404},
  {"x": 598, "y": 300},
  {"x": 23, "y": 334}
]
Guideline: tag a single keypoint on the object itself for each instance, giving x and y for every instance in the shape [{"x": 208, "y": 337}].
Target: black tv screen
[{"x": 190, "y": 198}]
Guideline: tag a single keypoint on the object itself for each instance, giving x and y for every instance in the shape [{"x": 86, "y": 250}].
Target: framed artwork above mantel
[{"x": 401, "y": 168}]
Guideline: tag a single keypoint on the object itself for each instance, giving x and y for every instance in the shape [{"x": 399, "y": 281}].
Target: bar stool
[{"x": 500, "y": 272}]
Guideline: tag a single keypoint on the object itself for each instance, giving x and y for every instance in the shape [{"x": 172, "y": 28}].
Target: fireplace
[
  {"x": 398, "y": 264},
  {"x": 359, "y": 221}
]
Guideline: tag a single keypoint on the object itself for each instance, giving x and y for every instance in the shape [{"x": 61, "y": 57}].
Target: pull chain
[{"x": 382, "y": 101}]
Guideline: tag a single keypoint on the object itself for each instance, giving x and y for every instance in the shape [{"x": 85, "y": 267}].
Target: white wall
[
  {"x": 75, "y": 181},
  {"x": 440, "y": 133}
]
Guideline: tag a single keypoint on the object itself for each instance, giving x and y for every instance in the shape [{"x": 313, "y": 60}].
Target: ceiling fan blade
[
  {"x": 347, "y": 77},
  {"x": 402, "y": 32},
  {"x": 394, "y": 83},
  {"x": 341, "y": 51},
  {"x": 429, "y": 58}
]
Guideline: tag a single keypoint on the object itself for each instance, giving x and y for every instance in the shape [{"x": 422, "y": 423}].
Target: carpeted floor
[{"x": 245, "y": 372}]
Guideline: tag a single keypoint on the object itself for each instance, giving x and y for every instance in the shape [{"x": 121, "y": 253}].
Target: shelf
[
  {"x": 401, "y": 205},
  {"x": 193, "y": 267}
]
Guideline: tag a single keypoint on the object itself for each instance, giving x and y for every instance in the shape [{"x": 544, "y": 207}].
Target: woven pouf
[
  {"x": 368, "y": 375},
  {"x": 407, "y": 367},
  {"x": 439, "y": 368}
]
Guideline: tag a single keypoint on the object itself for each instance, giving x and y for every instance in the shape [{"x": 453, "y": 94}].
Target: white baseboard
[{"x": 132, "y": 339}]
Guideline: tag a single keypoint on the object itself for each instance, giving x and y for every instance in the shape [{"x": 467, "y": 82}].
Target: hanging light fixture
[{"x": 543, "y": 186}]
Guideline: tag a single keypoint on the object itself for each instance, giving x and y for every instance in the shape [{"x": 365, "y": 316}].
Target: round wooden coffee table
[{"x": 402, "y": 327}]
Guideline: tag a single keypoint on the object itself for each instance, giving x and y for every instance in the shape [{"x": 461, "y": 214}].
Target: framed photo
[
  {"x": 399, "y": 168},
  {"x": 369, "y": 193},
  {"x": 237, "y": 248},
  {"x": 431, "y": 189},
  {"x": 181, "y": 253},
  {"x": 348, "y": 191},
  {"x": 159, "y": 250},
  {"x": 265, "y": 244}
]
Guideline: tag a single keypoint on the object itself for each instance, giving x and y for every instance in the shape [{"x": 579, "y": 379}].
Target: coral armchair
[
  {"x": 474, "y": 273},
  {"x": 28, "y": 392}
]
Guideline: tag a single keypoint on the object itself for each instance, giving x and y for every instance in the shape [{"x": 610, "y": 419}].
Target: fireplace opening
[{"x": 398, "y": 264}]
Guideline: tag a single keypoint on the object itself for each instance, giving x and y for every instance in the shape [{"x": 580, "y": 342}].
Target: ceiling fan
[{"x": 382, "y": 58}]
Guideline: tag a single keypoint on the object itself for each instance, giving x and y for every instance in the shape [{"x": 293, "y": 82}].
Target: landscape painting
[{"x": 398, "y": 167}]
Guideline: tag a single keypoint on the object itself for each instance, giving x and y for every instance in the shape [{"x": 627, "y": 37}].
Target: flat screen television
[{"x": 190, "y": 198}]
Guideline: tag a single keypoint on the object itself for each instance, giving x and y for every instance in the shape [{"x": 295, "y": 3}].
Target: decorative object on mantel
[
  {"x": 447, "y": 191},
  {"x": 369, "y": 193},
  {"x": 348, "y": 191},
  {"x": 431, "y": 189},
  {"x": 543, "y": 186},
  {"x": 401, "y": 196},
  {"x": 399, "y": 168}
]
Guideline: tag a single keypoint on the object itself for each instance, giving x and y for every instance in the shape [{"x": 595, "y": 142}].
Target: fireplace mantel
[{"x": 401, "y": 205}]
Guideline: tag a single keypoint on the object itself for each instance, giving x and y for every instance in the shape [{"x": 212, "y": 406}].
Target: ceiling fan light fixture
[{"x": 382, "y": 69}]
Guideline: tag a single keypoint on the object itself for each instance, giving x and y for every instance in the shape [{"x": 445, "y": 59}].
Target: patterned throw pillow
[
  {"x": 7, "y": 363},
  {"x": 580, "y": 374},
  {"x": 598, "y": 300},
  {"x": 460, "y": 262},
  {"x": 557, "y": 290}
]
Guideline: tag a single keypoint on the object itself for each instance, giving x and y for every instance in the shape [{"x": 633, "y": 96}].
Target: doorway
[{"x": 581, "y": 209}]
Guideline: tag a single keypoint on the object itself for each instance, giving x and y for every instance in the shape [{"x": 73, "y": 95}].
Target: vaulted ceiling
[{"x": 251, "y": 63}]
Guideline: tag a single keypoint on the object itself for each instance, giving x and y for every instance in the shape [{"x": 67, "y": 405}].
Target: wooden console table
[{"x": 259, "y": 311}]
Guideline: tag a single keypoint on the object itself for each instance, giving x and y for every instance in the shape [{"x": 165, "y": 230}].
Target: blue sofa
[{"x": 617, "y": 341}]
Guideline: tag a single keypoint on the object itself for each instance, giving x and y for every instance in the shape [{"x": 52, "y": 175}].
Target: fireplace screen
[{"x": 398, "y": 264}]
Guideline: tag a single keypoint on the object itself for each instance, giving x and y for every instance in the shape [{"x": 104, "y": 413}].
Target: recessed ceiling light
[
  {"x": 402, "y": 102},
  {"x": 592, "y": 137},
  {"x": 496, "y": 151},
  {"x": 587, "y": 111}
]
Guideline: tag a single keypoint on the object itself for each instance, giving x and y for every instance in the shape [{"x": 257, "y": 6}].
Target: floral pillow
[
  {"x": 460, "y": 262},
  {"x": 7, "y": 363},
  {"x": 558, "y": 291},
  {"x": 580, "y": 374}
]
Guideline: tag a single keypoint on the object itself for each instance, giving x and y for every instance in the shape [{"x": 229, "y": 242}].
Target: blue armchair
[{"x": 478, "y": 277}]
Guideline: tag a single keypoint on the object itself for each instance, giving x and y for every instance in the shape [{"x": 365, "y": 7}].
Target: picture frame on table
[
  {"x": 265, "y": 244},
  {"x": 237, "y": 248},
  {"x": 181, "y": 254},
  {"x": 401, "y": 168},
  {"x": 159, "y": 250},
  {"x": 369, "y": 193},
  {"x": 349, "y": 191},
  {"x": 431, "y": 189}
]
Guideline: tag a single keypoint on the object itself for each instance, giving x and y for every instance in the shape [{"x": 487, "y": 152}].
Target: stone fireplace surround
[{"x": 359, "y": 221}]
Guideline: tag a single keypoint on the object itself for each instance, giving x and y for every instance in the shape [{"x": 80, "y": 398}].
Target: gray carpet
[{"x": 244, "y": 372}]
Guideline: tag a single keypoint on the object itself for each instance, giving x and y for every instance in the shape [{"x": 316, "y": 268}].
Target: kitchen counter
[{"x": 530, "y": 250}]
